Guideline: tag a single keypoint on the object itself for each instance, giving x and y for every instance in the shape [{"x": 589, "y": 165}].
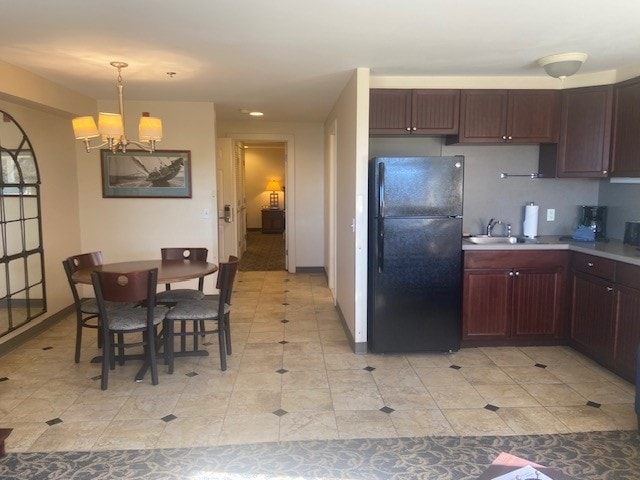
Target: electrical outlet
[
  {"x": 551, "y": 214},
  {"x": 205, "y": 213}
]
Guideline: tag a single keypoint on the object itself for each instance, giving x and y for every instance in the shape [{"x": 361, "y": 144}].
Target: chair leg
[
  {"x": 222, "y": 343},
  {"x": 106, "y": 360},
  {"x": 183, "y": 335},
  {"x": 227, "y": 333},
  {"x": 169, "y": 345},
  {"x": 195, "y": 335},
  {"x": 151, "y": 351},
  {"x": 79, "y": 335},
  {"x": 121, "y": 349},
  {"x": 202, "y": 329}
]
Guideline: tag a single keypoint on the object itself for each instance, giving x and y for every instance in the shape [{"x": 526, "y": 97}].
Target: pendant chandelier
[{"x": 111, "y": 127}]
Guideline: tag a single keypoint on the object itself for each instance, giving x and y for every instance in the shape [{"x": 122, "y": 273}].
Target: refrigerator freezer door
[
  {"x": 415, "y": 299},
  {"x": 417, "y": 186}
]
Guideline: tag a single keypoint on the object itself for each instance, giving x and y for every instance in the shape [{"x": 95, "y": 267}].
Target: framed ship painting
[{"x": 136, "y": 173}]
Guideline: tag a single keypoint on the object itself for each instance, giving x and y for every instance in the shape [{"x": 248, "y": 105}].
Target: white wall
[
  {"x": 308, "y": 192},
  {"x": 350, "y": 114}
]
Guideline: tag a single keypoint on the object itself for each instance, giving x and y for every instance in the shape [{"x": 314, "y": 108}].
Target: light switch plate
[{"x": 551, "y": 214}]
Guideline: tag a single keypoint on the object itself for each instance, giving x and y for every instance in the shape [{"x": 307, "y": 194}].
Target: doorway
[{"x": 261, "y": 187}]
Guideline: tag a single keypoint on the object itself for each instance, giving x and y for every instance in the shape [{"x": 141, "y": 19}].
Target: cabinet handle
[
  {"x": 590, "y": 264},
  {"x": 408, "y": 129},
  {"x": 517, "y": 273},
  {"x": 609, "y": 289},
  {"x": 511, "y": 274},
  {"x": 509, "y": 137},
  {"x": 605, "y": 171},
  {"x": 504, "y": 137},
  {"x": 414, "y": 129}
]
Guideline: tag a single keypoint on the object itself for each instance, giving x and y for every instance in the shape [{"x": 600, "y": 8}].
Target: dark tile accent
[
  {"x": 593, "y": 404},
  {"x": 191, "y": 374},
  {"x": 97, "y": 377},
  {"x": 369, "y": 369},
  {"x": 282, "y": 371},
  {"x": 455, "y": 367},
  {"x": 540, "y": 365},
  {"x": 4, "y": 379},
  {"x": 207, "y": 344},
  {"x": 280, "y": 412},
  {"x": 283, "y": 342},
  {"x": 285, "y": 304},
  {"x": 54, "y": 421},
  {"x": 48, "y": 348},
  {"x": 169, "y": 418},
  {"x": 386, "y": 409},
  {"x": 284, "y": 321},
  {"x": 493, "y": 408}
]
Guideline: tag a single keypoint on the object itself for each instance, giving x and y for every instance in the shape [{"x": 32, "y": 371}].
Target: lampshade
[
  {"x": 84, "y": 127},
  {"x": 562, "y": 65},
  {"x": 274, "y": 186},
  {"x": 150, "y": 128},
  {"x": 110, "y": 125}
]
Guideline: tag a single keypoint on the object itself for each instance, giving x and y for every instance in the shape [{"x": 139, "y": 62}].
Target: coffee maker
[{"x": 596, "y": 218}]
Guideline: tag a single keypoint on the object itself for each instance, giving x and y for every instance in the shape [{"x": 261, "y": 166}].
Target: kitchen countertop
[{"x": 613, "y": 249}]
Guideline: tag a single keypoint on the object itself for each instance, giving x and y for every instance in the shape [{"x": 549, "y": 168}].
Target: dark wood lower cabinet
[
  {"x": 272, "y": 221},
  {"x": 519, "y": 299}
]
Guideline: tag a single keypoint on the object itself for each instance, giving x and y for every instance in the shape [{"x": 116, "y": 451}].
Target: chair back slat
[
  {"x": 85, "y": 260},
  {"x": 219, "y": 280},
  {"x": 226, "y": 276},
  {"x": 184, "y": 253},
  {"x": 135, "y": 286}
]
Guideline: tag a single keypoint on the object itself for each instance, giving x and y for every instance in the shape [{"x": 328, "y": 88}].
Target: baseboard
[
  {"x": 23, "y": 337},
  {"x": 310, "y": 270},
  {"x": 357, "y": 347}
]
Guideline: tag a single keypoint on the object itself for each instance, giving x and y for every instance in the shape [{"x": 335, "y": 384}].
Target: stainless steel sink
[{"x": 485, "y": 239}]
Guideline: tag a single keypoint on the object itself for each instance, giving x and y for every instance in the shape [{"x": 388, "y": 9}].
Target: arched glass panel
[{"x": 22, "y": 289}]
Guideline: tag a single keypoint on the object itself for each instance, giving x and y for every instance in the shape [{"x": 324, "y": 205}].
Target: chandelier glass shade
[{"x": 111, "y": 128}]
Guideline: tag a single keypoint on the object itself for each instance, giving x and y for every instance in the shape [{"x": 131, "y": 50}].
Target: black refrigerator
[{"x": 415, "y": 254}]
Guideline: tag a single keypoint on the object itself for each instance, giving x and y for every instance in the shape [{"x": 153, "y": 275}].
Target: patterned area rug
[
  {"x": 265, "y": 251},
  {"x": 611, "y": 455}
]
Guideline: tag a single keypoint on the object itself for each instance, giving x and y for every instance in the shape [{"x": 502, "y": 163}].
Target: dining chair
[
  {"x": 201, "y": 311},
  {"x": 128, "y": 288},
  {"x": 182, "y": 253},
  {"x": 87, "y": 309}
]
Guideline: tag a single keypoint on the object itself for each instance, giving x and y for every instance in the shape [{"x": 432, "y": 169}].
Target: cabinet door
[
  {"x": 487, "y": 304},
  {"x": 537, "y": 302},
  {"x": 435, "y": 112},
  {"x": 533, "y": 116},
  {"x": 625, "y": 150},
  {"x": 627, "y": 331},
  {"x": 592, "y": 327},
  {"x": 389, "y": 111},
  {"x": 585, "y": 128},
  {"x": 483, "y": 116}
]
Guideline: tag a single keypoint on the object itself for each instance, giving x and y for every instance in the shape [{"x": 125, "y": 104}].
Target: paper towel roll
[{"x": 530, "y": 226}]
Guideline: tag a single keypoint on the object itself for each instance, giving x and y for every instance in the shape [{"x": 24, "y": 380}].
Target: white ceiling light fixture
[
  {"x": 256, "y": 114},
  {"x": 111, "y": 126},
  {"x": 562, "y": 65}
]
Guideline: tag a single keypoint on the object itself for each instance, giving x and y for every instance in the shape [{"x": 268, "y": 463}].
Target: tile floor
[{"x": 292, "y": 376}]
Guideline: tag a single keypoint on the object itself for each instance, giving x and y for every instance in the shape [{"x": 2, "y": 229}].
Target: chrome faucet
[{"x": 493, "y": 222}]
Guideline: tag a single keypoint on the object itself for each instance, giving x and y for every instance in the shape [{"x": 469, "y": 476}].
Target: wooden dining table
[{"x": 169, "y": 271}]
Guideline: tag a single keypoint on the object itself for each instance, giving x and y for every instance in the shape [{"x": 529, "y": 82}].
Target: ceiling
[{"x": 291, "y": 58}]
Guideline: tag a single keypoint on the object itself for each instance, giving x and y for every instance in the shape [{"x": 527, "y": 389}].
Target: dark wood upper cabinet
[
  {"x": 585, "y": 133},
  {"x": 508, "y": 116},
  {"x": 413, "y": 112},
  {"x": 625, "y": 150}
]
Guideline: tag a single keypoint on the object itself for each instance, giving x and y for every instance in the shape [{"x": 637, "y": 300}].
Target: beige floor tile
[
  {"x": 24, "y": 434},
  {"x": 358, "y": 398},
  {"x": 506, "y": 396},
  {"x": 603, "y": 392},
  {"x": 238, "y": 429},
  {"x": 188, "y": 432},
  {"x": 207, "y": 383},
  {"x": 485, "y": 375},
  {"x": 554, "y": 395},
  {"x": 125, "y": 434},
  {"x": 70, "y": 436},
  {"x": 582, "y": 418},
  {"x": 346, "y": 380},
  {"x": 470, "y": 357},
  {"x": 364, "y": 424},
  {"x": 387, "y": 361},
  {"x": 266, "y": 337},
  {"x": 531, "y": 374},
  {"x": 623, "y": 416},
  {"x": 334, "y": 346},
  {"x": 302, "y": 361},
  {"x": 40, "y": 409},
  {"x": 90, "y": 409},
  {"x": 402, "y": 378},
  {"x": 437, "y": 376},
  {"x": 304, "y": 379},
  {"x": 418, "y": 423},
  {"x": 549, "y": 355},
  {"x": 304, "y": 336},
  {"x": 531, "y": 420},
  {"x": 506, "y": 356},
  {"x": 253, "y": 401},
  {"x": 258, "y": 381},
  {"x": 148, "y": 407},
  {"x": 408, "y": 398},
  {"x": 344, "y": 361},
  {"x": 264, "y": 363},
  {"x": 211, "y": 405},
  {"x": 575, "y": 374},
  {"x": 456, "y": 396},
  {"x": 303, "y": 348},
  {"x": 316, "y": 399},
  {"x": 473, "y": 421},
  {"x": 308, "y": 425}
]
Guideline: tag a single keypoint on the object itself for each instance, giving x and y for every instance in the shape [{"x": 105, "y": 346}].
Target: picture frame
[{"x": 141, "y": 174}]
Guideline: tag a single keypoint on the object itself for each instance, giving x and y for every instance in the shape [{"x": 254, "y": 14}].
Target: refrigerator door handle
[{"x": 380, "y": 217}]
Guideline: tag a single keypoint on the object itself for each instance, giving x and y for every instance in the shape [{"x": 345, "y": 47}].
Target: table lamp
[{"x": 274, "y": 187}]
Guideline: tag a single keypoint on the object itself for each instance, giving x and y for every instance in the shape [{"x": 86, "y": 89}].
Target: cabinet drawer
[
  {"x": 628, "y": 275},
  {"x": 592, "y": 265},
  {"x": 515, "y": 259}
]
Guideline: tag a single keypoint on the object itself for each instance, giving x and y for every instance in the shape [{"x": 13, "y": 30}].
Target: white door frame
[
  {"x": 289, "y": 197},
  {"x": 331, "y": 220}
]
